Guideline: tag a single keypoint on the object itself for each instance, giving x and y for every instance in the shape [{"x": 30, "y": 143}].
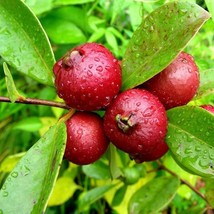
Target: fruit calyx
[
  {"x": 125, "y": 122},
  {"x": 68, "y": 59}
]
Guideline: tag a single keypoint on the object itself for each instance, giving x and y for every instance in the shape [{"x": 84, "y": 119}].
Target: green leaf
[
  {"x": 153, "y": 196},
  {"x": 30, "y": 124},
  {"x": 206, "y": 84},
  {"x": 113, "y": 166},
  {"x": 24, "y": 43},
  {"x": 28, "y": 186},
  {"x": 65, "y": 13},
  {"x": 97, "y": 170},
  {"x": 39, "y": 6},
  {"x": 190, "y": 139},
  {"x": 63, "y": 190},
  {"x": 70, "y": 2},
  {"x": 11, "y": 88},
  {"x": 93, "y": 195},
  {"x": 10, "y": 162},
  {"x": 159, "y": 39},
  {"x": 119, "y": 195},
  {"x": 210, "y": 7},
  {"x": 62, "y": 31}
]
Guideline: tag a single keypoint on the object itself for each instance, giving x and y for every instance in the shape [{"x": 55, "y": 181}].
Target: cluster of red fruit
[{"x": 88, "y": 78}]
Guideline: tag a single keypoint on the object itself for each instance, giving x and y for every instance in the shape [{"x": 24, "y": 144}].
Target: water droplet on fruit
[
  {"x": 89, "y": 73},
  {"x": 140, "y": 147},
  {"x": 107, "y": 67},
  {"x": 108, "y": 99},
  {"x": 99, "y": 68},
  {"x": 90, "y": 66},
  {"x": 149, "y": 111},
  {"x": 138, "y": 104},
  {"x": 14, "y": 174},
  {"x": 96, "y": 59}
]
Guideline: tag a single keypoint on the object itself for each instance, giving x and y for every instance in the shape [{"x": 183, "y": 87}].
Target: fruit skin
[
  {"x": 177, "y": 84},
  {"x": 209, "y": 108},
  {"x": 136, "y": 122},
  {"x": 86, "y": 140},
  {"x": 158, "y": 151},
  {"x": 88, "y": 77}
]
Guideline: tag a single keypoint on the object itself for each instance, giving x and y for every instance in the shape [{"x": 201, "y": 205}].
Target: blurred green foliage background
[{"x": 67, "y": 24}]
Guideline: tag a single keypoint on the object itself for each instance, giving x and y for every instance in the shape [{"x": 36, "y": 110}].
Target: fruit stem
[
  {"x": 161, "y": 166},
  {"x": 36, "y": 102},
  {"x": 124, "y": 122}
]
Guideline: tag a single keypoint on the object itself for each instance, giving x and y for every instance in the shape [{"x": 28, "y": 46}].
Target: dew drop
[
  {"x": 27, "y": 171},
  {"x": 5, "y": 194},
  {"x": 107, "y": 67},
  {"x": 90, "y": 66},
  {"x": 140, "y": 147},
  {"x": 149, "y": 111},
  {"x": 99, "y": 68},
  {"x": 188, "y": 151},
  {"x": 138, "y": 104},
  {"x": 14, "y": 174},
  {"x": 89, "y": 73},
  {"x": 96, "y": 59},
  {"x": 202, "y": 163}
]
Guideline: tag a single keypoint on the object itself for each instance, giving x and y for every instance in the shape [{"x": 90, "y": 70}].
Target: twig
[
  {"x": 161, "y": 166},
  {"x": 36, "y": 102}
]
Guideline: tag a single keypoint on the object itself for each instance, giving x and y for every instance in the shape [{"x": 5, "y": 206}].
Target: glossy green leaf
[
  {"x": 190, "y": 139},
  {"x": 97, "y": 170},
  {"x": 39, "y": 6},
  {"x": 11, "y": 88},
  {"x": 153, "y": 196},
  {"x": 62, "y": 31},
  {"x": 119, "y": 195},
  {"x": 23, "y": 42},
  {"x": 159, "y": 39},
  {"x": 63, "y": 190},
  {"x": 93, "y": 195},
  {"x": 113, "y": 166},
  {"x": 28, "y": 186},
  {"x": 206, "y": 84},
  {"x": 210, "y": 7}
]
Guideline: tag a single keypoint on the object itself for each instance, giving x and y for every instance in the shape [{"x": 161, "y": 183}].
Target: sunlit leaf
[
  {"x": 92, "y": 195},
  {"x": 23, "y": 42},
  {"x": 28, "y": 186},
  {"x": 190, "y": 139},
  {"x": 63, "y": 190},
  {"x": 154, "y": 196},
  {"x": 159, "y": 39}
]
